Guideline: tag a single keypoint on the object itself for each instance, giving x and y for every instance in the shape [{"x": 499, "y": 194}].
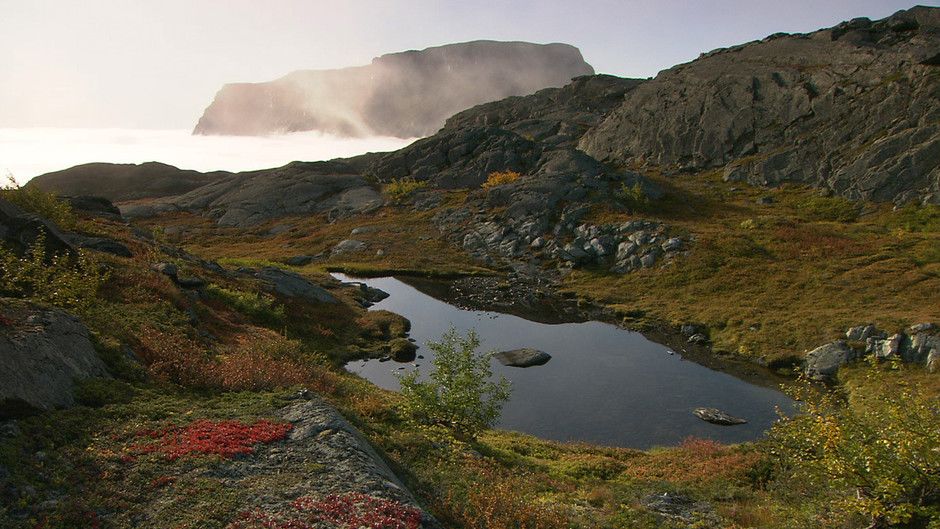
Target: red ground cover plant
[
  {"x": 352, "y": 510},
  {"x": 204, "y": 437}
]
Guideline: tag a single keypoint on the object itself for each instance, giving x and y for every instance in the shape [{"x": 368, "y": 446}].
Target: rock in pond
[
  {"x": 523, "y": 357},
  {"x": 716, "y": 416},
  {"x": 402, "y": 350}
]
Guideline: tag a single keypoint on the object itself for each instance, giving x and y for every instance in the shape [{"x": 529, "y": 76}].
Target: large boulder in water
[
  {"x": 42, "y": 353},
  {"x": 525, "y": 357},
  {"x": 716, "y": 416}
]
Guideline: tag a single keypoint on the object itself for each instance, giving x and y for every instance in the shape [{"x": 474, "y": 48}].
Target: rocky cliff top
[
  {"x": 405, "y": 94},
  {"x": 854, "y": 109}
]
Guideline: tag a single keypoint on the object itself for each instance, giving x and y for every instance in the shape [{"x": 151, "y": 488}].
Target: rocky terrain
[
  {"x": 407, "y": 94},
  {"x": 851, "y": 109},
  {"x": 199, "y": 313},
  {"x": 123, "y": 182}
]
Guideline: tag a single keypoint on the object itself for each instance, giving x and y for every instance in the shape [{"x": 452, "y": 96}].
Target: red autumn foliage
[
  {"x": 348, "y": 511},
  {"x": 204, "y": 437}
]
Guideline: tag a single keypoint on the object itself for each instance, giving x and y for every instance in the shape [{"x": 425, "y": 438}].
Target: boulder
[
  {"x": 100, "y": 244},
  {"x": 862, "y": 333},
  {"x": 168, "y": 269},
  {"x": 348, "y": 246},
  {"x": 299, "y": 260},
  {"x": 293, "y": 285},
  {"x": 716, "y": 416},
  {"x": 525, "y": 357},
  {"x": 19, "y": 231},
  {"x": 42, "y": 353},
  {"x": 824, "y": 362},
  {"x": 402, "y": 350},
  {"x": 672, "y": 245},
  {"x": 93, "y": 205}
]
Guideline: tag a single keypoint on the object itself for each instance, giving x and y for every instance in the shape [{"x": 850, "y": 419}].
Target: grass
[
  {"x": 768, "y": 280},
  {"x": 771, "y": 281}
]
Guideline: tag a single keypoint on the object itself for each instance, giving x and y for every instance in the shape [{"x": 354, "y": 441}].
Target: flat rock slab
[
  {"x": 523, "y": 357},
  {"x": 42, "y": 352},
  {"x": 716, "y": 416}
]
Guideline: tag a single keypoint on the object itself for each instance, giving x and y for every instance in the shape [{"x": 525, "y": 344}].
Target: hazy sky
[{"x": 157, "y": 64}]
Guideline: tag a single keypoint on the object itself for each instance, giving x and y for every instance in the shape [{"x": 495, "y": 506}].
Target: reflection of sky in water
[{"x": 603, "y": 384}]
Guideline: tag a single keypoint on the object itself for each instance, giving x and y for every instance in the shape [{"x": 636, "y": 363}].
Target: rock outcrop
[
  {"x": 407, "y": 94},
  {"x": 343, "y": 463},
  {"x": 716, "y": 416},
  {"x": 20, "y": 230},
  {"x": 42, "y": 353},
  {"x": 525, "y": 357},
  {"x": 854, "y": 109},
  {"x": 919, "y": 345},
  {"x": 123, "y": 182},
  {"x": 299, "y": 188}
]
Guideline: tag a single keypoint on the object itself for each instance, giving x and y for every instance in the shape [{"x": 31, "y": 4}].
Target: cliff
[{"x": 405, "y": 94}]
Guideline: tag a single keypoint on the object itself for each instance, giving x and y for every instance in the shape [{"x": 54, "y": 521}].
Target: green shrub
[
  {"x": 458, "y": 394},
  {"x": 399, "y": 188},
  {"x": 258, "y": 307},
  {"x": 876, "y": 458},
  {"x": 60, "y": 280},
  {"x": 634, "y": 197},
  {"x": 831, "y": 209},
  {"x": 500, "y": 178},
  {"x": 40, "y": 203},
  {"x": 918, "y": 218},
  {"x": 97, "y": 392}
]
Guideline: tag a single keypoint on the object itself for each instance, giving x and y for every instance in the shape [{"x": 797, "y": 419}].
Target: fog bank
[{"x": 29, "y": 152}]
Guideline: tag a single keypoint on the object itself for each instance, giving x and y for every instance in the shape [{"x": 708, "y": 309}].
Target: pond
[{"x": 603, "y": 385}]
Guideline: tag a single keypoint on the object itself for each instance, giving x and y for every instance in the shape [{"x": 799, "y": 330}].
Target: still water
[{"x": 603, "y": 385}]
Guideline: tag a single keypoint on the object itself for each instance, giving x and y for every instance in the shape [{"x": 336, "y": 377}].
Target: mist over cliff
[{"x": 405, "y": 94}]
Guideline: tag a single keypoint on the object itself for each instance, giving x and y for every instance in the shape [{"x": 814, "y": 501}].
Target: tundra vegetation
[{"x": 144, "y": 444}]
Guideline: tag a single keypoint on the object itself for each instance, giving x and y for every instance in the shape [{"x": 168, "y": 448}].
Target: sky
[{"x": 157, "y": 64}]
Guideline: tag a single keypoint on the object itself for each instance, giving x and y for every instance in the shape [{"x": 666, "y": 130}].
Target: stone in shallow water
[
  {"x": 716, "y": 416},
  {"x": 523, "y": 357}
]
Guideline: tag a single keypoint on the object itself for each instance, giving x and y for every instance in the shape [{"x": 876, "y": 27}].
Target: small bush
[
  {"x": 264, "y": 364},
  {"x": 634, "y": 197},
  {"x": 348, "y": 510},
  {"x": 204, "y": 437},
  {"x": 875, "y": 457},
  {"x": 40, "y": 203},
  {"x": 830, "y": 209},
  {"x": 499, "y": 178},
  {"x": 459, "y": 395},
  {"x": 98, "y": 392},
  {"x": 59, "y": 280},
  {"x": 496, "y": 499},
  {"x": 914, "y": 218},
  {"x": 258, "y": 307},
  {"x": 399, "y": 188}
]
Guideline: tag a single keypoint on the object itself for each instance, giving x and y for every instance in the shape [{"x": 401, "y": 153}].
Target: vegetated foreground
[{"x": 209, "y": 340}]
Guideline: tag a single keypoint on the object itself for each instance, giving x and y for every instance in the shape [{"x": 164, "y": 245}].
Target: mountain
[
  {"x": 854, "y": 109},
  {"x": 407, "y": 94}
]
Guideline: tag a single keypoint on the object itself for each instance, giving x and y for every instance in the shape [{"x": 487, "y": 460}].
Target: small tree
[
  {"x": 459, "y": 395},
  {"x": 874, "y": 455}
]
